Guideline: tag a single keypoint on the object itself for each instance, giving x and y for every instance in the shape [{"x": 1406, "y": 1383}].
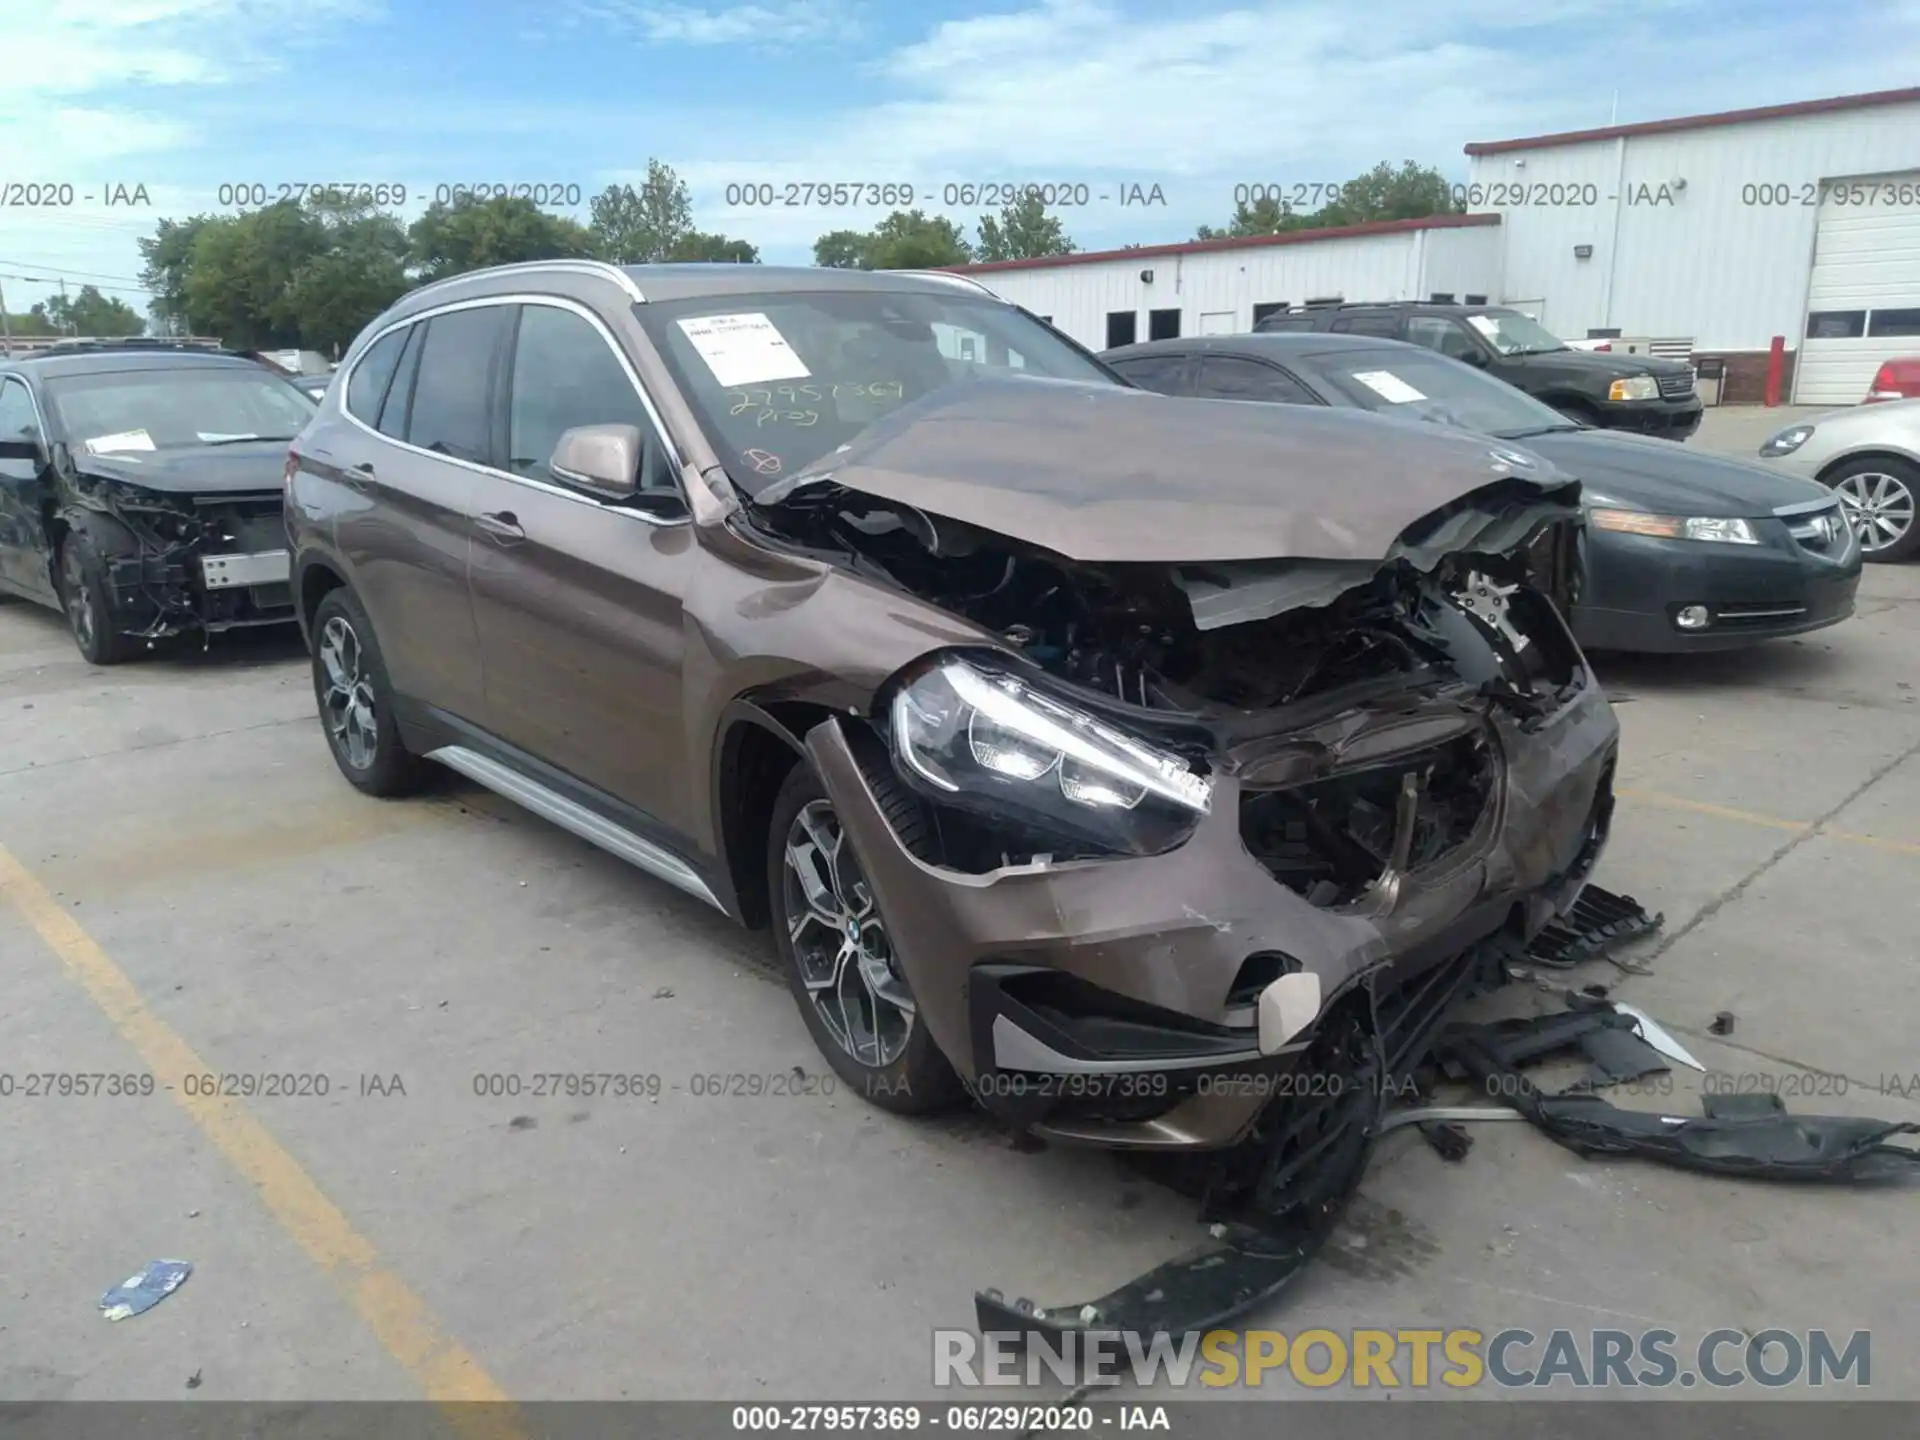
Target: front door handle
[{"x": 502, "y": 525}]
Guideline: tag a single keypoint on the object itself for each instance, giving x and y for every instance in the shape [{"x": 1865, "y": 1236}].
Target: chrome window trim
[
  {"x": 965, "y": 280},
  {"x": 557, "y": 302},
  {"x": 599, "y": 269}
]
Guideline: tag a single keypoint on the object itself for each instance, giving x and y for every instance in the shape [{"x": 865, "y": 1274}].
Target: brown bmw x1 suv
[{"x": 1105, "y": 754}]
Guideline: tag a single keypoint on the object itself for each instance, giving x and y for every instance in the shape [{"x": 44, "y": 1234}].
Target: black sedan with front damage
[
  {"x": 140, "y": 492},
  {"x": 1682, "y": 550}
]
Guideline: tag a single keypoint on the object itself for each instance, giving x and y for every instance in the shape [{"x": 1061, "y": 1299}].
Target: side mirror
[
  {"x": 22, "y": 450},
  {"x": 1476, "y": 357},
  {"x": 605, "y": 458}
]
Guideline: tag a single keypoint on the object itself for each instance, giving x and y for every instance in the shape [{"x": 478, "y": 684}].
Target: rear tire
[
  {"x": 1879, "y": 495},
  {"x": 355, "y": 700},
  {"x": 838, "y": 955},
  {"x": 84, "y": 599}
]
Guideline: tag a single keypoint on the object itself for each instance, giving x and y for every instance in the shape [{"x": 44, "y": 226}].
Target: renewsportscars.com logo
[{"x": 1409, "y": 1359}]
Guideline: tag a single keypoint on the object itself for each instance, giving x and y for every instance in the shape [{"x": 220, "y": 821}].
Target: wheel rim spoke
[
  {"x": 840, "y": 947},
  {"x": 346, "y": 701}
]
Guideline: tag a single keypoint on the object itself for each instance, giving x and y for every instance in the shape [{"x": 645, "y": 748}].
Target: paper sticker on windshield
[
  {"x": 744, "y": 349},
  {"x": 1485, "y": 324},
  {"x": 125, "y": 440},
  {"x": 217, "y": 437},
  {"x": 1388, "y": 386}
]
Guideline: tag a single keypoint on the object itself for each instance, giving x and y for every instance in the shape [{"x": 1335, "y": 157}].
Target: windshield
[
  {"x": 121, "y": 411},
  {"x": 1421, "y": 385},
  {"x": 778, "y": 380},
  {"x": 1512, "y": 333}
]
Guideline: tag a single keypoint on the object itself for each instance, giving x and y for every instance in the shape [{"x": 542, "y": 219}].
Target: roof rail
[
  {"x": 135, "y": 343},
  {"x": 605, "y": 270},
  {"x": 948, "y": 275}
]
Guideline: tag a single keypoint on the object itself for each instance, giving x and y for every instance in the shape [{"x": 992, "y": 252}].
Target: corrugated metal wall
[
  {"x": 1724, "y": 259},
  {"x": 1215, "y": 291}
]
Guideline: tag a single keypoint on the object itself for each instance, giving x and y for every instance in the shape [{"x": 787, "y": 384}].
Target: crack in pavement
[{"x": 37, "y": 767}]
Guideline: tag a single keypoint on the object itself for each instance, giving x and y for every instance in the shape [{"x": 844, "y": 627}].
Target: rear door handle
[
  {"x": 359, "y": 476},
  {"x": 502, "y": 525}
]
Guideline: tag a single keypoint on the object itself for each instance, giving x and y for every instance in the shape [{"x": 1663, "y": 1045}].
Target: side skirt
[{"x": 576, "y": 818}]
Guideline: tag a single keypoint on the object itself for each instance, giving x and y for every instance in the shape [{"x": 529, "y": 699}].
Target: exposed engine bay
[
  {"x": 164, "y": 552},
  {"x": 1134, "y": 632}
]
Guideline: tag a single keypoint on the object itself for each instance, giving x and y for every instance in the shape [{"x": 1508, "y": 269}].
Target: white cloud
[{"x": 783, "y": 22}]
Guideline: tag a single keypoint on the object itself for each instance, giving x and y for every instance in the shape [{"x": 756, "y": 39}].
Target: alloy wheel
[
  {"x": 1880, "y": 507},
  {"x": 840, "y": 942},
  {"x": 73, "y": 589},
  {"x": 347, "y": 703}
]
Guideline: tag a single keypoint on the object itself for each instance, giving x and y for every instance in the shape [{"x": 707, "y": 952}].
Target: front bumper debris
[
  {"x": 1748, "y": 1135},
  {"x": 1598, "y": 921},
  {"x": 1273, "y": 1200}
]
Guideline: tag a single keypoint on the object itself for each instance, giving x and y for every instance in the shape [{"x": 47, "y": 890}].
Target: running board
[{"x": 575, "y": 818}]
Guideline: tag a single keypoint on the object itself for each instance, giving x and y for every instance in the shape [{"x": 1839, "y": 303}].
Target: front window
[
  {"x": 1512, "y": 333},
  {"x": 1425, "y": 386},
  {"x": 175, "y": 408},
  {"x": 779, "y": 380}
]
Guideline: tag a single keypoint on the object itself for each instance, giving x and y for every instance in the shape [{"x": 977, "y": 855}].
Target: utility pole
[
  {"x": 6, "y": 326},
  {"x": 63, "y": 306}
]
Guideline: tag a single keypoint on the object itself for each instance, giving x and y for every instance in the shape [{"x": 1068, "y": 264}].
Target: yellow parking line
[
  {"x": 447, "y": 1373},
  {"x": 1772, "y": 822}
]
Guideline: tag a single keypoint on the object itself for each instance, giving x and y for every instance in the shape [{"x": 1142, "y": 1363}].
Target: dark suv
[
  {"x": 1079, "y": 744},
  {"x": 1614, "y": 392},
  {"x": 140, "y": 491}
]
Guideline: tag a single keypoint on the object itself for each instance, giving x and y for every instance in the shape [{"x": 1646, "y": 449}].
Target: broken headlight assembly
[{"x": 981, "y": 740}]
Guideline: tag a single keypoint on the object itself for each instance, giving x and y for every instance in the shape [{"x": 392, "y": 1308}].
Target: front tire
[
  {"x": 83, "y": 598},
  {"x": 1878, "y": 497},
  {"x": 355, "y": 700},
  {"x": 836, "y": 949}
]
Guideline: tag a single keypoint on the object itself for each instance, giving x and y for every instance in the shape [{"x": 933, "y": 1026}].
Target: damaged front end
[
  {"x": 174, "y": 561},
  {"x": 1181, "y": 811}
]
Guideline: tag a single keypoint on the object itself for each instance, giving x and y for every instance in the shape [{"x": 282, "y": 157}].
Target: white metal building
[
  {"x": 1104, "y": 298},
  {"x": 1801, "y": 221},
  {"x": 1713, "y": 233}
]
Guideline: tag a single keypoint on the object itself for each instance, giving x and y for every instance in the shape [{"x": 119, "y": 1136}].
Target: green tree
[
  {"x": 1411, "y": 192},
  {"x": 470, "y": 233},
  {"x": 166, "y": 255},
  {"x": 843, "y": 250},
  {"x": 33, "y": 322},
  {"x": 88, "y": 312},
  {"x": 905, "y": 240},
  {"x": 1023, "y": 231},
  {"x": 359, "y": 269},
  {"x": 641, "y": 227},
  {"x": 239, "y": 269},
  {"x": 698, "y": 245}
]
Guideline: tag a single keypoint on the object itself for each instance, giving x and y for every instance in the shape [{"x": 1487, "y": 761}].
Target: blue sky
[{"x": 1195, "y": 96}]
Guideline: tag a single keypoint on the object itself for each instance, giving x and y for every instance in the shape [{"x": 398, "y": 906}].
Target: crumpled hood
[
  {"x": 1644, "y": 472},
  {"x": 1103, "y": 473},
  {"x": 241, "y": 468}
]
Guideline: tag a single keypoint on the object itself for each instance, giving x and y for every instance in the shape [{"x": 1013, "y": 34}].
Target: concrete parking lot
[{"x": 188, "y": 887}]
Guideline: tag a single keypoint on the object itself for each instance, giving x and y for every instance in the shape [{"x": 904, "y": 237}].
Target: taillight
[
  {"x": 286, "y": 475},
  {"x": 1895, "y": 380},
  {"x": 1608, "y": 348}
]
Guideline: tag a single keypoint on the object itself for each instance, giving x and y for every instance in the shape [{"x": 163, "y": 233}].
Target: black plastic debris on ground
[
  {"x": 1598, "y": 921},
  {"x": 1272, "y": 1201},
  {"x": 1739, "y": 1135}
]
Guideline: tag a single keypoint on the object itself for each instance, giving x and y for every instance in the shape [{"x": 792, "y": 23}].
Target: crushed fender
[
  {"x": 1598, "y": 921},
  {"x": 1749, "y": 1135}
]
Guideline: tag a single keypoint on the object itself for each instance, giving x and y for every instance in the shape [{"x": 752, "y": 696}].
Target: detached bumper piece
[
  {"x": 1598, "y": 921},
  {"x": 1748, "y": 1135},
  {"x": 1272, "y": 1201}
]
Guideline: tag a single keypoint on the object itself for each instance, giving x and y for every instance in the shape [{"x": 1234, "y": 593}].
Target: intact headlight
[
  {"x": 1674, "y": 527},
  {"x": 984, "y": 741},
  {"x": 1788, "y": 440},
  {"x": 1634, "y": 387}
]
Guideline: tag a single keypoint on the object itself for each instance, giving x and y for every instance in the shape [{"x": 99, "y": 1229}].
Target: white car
[{"x": 1870, "y": 456}]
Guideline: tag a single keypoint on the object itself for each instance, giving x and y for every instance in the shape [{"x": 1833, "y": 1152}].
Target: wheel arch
[
  {"x": 757, "y": 745},
  {"x": 1880, "y": 455}
]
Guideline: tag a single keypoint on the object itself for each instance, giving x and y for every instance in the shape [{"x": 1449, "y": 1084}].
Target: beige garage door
[{"x": 1863, "y": 301}]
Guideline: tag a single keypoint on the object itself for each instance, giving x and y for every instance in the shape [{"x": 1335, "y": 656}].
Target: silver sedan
[{"x": 1869, "y": 456}]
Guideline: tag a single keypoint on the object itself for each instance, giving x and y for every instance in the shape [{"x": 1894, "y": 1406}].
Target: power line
[
  {"x": 55, "y": 280},
  {"x": 59, "y": 270}
]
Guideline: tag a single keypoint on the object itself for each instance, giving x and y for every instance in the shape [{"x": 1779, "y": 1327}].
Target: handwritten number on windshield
[{"x": 790, "y": 404}]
